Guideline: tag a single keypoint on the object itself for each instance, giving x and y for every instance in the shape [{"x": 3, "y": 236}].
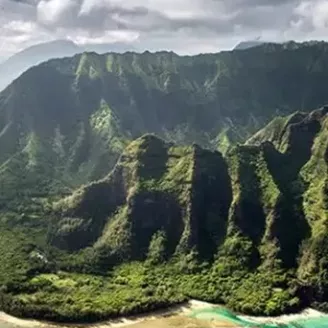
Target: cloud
[
  {"x": 312, "y": 14},
  {"x": 57, "y": 12},
  {"x": 186, "y": 26}
]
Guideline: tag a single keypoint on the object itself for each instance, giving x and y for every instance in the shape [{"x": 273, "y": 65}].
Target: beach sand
[
  {"x": 183, "y": 322},
  {"x": 176, "y": 317}
]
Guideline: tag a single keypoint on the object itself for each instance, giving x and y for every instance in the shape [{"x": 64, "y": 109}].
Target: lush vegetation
[
  {"x": 170, "y": 222},
  {"x": 65, "y": 122},
  {"x": 140, "y": 287}
]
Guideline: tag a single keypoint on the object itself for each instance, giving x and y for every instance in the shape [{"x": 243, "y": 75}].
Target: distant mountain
[
  {"x": 14, "y": 66},
  {"x": 65, "y": 122},
  {"x": 247, "y": 44},
  {"x": 20, "y": 62}
]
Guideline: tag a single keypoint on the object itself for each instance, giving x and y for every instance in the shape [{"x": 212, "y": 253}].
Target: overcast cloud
[{"x": 184, "y": 26}]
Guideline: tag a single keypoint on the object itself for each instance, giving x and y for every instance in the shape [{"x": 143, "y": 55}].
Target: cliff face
[
  {"x": 65, "y": 122},
  {"x": 262, "y": 208},
  {"x": 197, "y": 199},
  {"x": 173, "y": 222},
  {"x": 302, "y": 170},
  {"x": 182, "y": 194}
]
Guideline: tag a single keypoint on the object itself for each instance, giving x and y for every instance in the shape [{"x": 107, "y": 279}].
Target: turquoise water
[
  {"x": 314, "y": 323},
  {"x": 221, "y": 313}
]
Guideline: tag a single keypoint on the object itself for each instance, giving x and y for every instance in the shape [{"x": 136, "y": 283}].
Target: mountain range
[
  {"x": 15, "y": 65},
  {"x": 66, "y": 121},
  {"x": 134, "y": 181}
]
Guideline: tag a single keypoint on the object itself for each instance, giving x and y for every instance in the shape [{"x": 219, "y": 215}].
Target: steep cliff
[
  {"x": 65, "y": 122},
  {"x": 172, "y": 222},
  {"x": 155, "y": 188}
]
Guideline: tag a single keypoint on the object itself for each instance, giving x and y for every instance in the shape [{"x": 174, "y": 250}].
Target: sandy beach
[
  {"x": 173, "y": 317},
  {"x": 163, "y": 318}
]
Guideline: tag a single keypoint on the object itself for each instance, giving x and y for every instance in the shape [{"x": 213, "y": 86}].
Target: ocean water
[
  {"x": 312, "y": 323},
  {"x": 222, "y": 313}
]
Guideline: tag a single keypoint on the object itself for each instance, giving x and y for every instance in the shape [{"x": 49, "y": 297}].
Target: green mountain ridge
[
  {"x": 65, "y": 122},
  {"x": 175, "y": 222},
  {"x": 175, "y": 218},
  {"x": 149, "y": 174}
]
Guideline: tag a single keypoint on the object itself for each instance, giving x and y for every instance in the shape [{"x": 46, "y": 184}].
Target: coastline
[
  {"x": 184, "y": 310},
  {"x": 287, "y": 318}
]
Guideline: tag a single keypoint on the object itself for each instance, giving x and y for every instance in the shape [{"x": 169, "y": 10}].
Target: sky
[{"x": 183, "y": 26}]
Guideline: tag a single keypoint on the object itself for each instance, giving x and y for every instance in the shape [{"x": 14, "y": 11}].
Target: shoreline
[
  {"x": 182, "y": 309},
  {"x": 179, "y": 310},
  {"x": 306, "y": 314}
]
